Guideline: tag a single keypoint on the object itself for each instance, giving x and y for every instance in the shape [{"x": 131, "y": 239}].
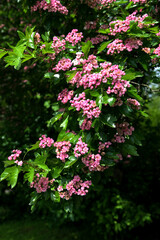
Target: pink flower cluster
[
  {"x": 123, "y": 25},
  {"x": 115, "y": 46},
  {"x": 58, "y": 45},
  {"x": 103, "y": 146},
  {"x": 41, "y": 184},
  {"x": 86, "y": 105},
  {"x": 118, "y": 46},
  {"x": 97, "y": 39},
  {"x": 133, "y": 103},
  {"x": 74, "y": 37},
  {"x": 123, "y": 130},
  {"x": 119, "y": 88},
  {"x": 14, "y": 156},
  {"x": 86, "y": 125},
  {"x": 92, "y": 80},
  {"x": 90, "y": 25},
  {"x": 54, "y": 6},
  {"x": 138, "y": 1},
  {"x": 45, "y": 141},
  {"x": 64, "y": 64},
  {"x": 132, "y": 43},
  {"x": 98, "y": 3},
  {"x": 65, "y": 95},
  {"x": 157, "y": 50},
  {"x": 80, "y": 148},
  {"x": 62, "y": 149},
  {"x": 92, "y": 161},
  {"x": 76, "y": 187},
  {"x": 118, "y": 102}
]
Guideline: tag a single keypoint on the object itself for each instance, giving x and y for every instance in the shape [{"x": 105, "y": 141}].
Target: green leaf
[
  {"x": 57, "y": 171},
  {"x": 126, "y": 111},
  {"x": 108, "y": 162},
  {"x": 46, "y": 36},
  {"x": 27, "y": 57},
  {"x": 103, "y": 46},
  {"x": 2, "y": 53},
  {"x": 70, "y": 75},
  {"x": 104, "y": 31},
  {"x": 49, "y": 75},
  {"x": 149, "y": 20},
  {"x": 131, "y": 74},
  {"x": 111, "y": 100},
  {"x": 67, "y": 136},
  {"x": 11, "y": 174},
  {"x": 109, "y": 120},
  {"x": 8, "y": 163},
  {"x": 43, "y": 166},
  {"x": 132, "y": 91},
  {"x": 144, "y": 65},
  {"x": 129, "y": 149},
  {"x": 94, "y": 93},
  {"x": 55, "y": 196},
  {"x": 21, "y": 35},
  {"x": 34, "y": 146},
  {"x": 55, "y": 119},
  {"x": 88, "y": 138},
  {"x": 29, "y": 175},
  {"x": 112, "y": 155},
  {"x": 64, "y": 123},
  {"x": 130, "y": 5},
  {"x": 41, "y": 159},
  {"x": 86, "y": 48},
  {"x": 72, "y": 160},
  {"x": 99, "y": 101}
]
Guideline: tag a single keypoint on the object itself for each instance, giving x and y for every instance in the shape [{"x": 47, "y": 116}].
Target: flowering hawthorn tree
[{"x": 100, "y": 72}]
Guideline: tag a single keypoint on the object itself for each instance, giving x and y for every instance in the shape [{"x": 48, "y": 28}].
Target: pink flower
[
  {"x": 14, "y": 156},
  {"x": 92, "y": 161},
  {"x": 74, "y": 37},
  {"x": 64, "y": 64},
  {"x": 54, "y": 6},
  {"x": 62, "y": 149},
  {"x": 76, "y": 187},
  {"x": 80, "y": 148},
  {"x": 65, "y": 96},
  {"x": 45, "y": 141}
]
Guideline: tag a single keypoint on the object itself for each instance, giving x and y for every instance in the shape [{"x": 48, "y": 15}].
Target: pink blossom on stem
[
  {"x": 64, "y": 64},
  {"x": 65, "y": 95},
  {"x": 133, "y": 103},
  {"x": 74, "y": 37},
  {"x": 92, "y": 161},
  {"x": 41, "y": 184},
  {"x": 45, "y": 141},
  {"x": 80, "y": 148},
  {"x": 58, "y": 45},
  {"x": 62, "y": 149},
  {"x": 14, "y": 156},
  {"x": 86, "y": 125},
  {"x": 54, "y": 6},
  {"x": 86, "y": 105},
  {"x": 76, "y": 187}
]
